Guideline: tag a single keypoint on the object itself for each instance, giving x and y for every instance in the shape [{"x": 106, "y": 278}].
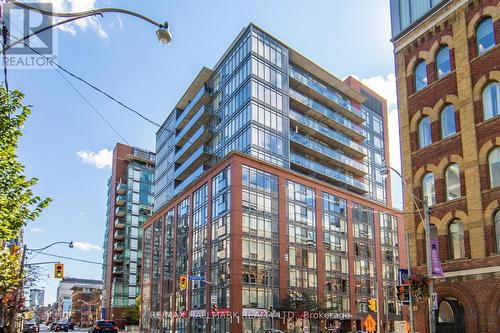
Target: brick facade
[{"x": 474, "y": 280}]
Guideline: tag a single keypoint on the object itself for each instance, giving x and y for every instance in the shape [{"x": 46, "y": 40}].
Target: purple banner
[{"x": 437, "y": 270}]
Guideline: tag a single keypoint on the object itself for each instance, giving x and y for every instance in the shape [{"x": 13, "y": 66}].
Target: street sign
[
  {"x": 434, "y": 300},
  {"x": 196, "y": 278},
  {"x": 213, "y": 299},
  {"x": 403, "y": 275}
]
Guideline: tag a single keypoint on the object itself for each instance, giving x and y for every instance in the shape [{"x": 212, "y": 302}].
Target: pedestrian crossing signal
[
  {"x": 372, "y": 304},
  {"x": 58, "y": 271},
  {"x": 183, "y": 281}
]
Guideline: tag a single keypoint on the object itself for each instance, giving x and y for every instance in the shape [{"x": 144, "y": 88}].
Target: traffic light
[
  {"x": 14, "y": 249},
  {"x": 372, "y": 304},
  {"x": 215, "y": 308},
  {"x": 58, "y": 271},
  {"x": 270, "y": 309},
  {"x": 183, "y": 282}
]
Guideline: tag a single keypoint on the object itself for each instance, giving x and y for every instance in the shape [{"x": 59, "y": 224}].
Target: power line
[{"x": 70, "y": 258}]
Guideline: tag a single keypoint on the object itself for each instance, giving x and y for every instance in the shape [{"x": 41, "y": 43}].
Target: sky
[{"x": 68, "y": 146}]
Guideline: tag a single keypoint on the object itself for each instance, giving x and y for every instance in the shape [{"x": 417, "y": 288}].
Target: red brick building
[{"x": 447, "y": 66}]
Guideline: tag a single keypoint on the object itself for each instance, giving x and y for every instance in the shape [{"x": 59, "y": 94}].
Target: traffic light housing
[
  {"x": 372, "y": 304},
  {"x": 58, "y": 271},
  {"x": 183, "y": 282},
  {"x": 215, "y": 308}
]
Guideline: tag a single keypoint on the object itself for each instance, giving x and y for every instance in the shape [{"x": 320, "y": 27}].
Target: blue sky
[{"x": 65, "y": 143}]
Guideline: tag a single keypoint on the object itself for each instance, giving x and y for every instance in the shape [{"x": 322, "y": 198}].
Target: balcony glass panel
[
  {"x": 189, "y": 145},
  {"x": 190, "y": 161},
  {"x": 320, "y": 108},
  {"x": 204, "y": 111},
  {"x": 327, "y": 151},
  {"x": 321, "y": 89},
  {"x": 327, "y": 131},
  {"x": 191, "y": 105},
  {"x": 326, "y": 171}
]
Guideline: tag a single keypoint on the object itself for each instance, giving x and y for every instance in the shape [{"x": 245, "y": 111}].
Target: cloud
[
  {"x": 100, "y": 160},
  {"x": 84, "y": 246},
  {"x": 385, "y": 86},
  {"x": 82, "y": 24},
  {"x": 37, "y": 230}
]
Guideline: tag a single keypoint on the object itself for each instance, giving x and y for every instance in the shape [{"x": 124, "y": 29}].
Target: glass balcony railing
[
  {"x": 193, "y": 162},
  {"x": 326, "y": 131},
  {"x": 201, "y": 97},
  {"x": 320, "y": 108},
  {"x": 322, "y": 90},
  {"x": 120, "y": 211},
  {"x": 121, "y": 188},
  {"x": 118, "y": 258},
  {"x": 197, "y": 138},
  {"x": 117, "y": 270},
  {"x": 119, "y": 223},
  {"x": 121, "y": 200},
  {"x": 198, "y": 172},
  {"x": 118, "y": 246},
  {"x": 119, "y": 234},
  {"x": 202, "y": 116},
  {"x": 328, "y": 172},
  {"x": 328, "y": 152}
]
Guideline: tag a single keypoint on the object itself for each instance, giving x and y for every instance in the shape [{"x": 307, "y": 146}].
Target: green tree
[
  {"x": 18, "y": 204},
  {"x": 131, "y": 313}
]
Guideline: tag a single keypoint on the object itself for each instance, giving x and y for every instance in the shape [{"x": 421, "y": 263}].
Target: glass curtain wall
[
  {"x": 181, "y": 264},
  {"x": 168, "y": 273}
]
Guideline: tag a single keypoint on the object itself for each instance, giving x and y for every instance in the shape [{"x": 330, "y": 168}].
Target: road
[{"x": 44, "y": 328}]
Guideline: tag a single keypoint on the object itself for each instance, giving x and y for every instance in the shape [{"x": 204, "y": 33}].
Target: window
[
  {"x": 424, "y": 132},
  {"x": 443, "y": 63},
  {"x": 456, "y": 239},
  {"x": 491, "y": 105},
  {"x": 428, "y": 189},
  {"x": 485, "y": 36},
  {"x": 452, "y": 179},
  {"x": 448, "y": 126},
  {"x": 420, "y": 75},
  {"x": 496, "y": 226},
  {"x": 494, "y": 166}
]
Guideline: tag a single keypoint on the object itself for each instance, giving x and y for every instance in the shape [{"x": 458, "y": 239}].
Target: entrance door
[{"x": 450, "y": 317}]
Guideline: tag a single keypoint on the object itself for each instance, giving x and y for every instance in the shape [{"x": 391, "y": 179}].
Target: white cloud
[
  {"x": 84, "y": 246},
  {"x": 36, "y": 230},
  {"x": 100, "y": 160},
  {"x": 385, "y": 86},
  {"x": 79, "y": 6}
]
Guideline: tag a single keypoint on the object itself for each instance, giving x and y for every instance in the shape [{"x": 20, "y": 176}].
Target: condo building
[
  {"x": 447, "y": 68},
  {"x": 130, "y": 203},
  {"x": 267, "y": 185}
]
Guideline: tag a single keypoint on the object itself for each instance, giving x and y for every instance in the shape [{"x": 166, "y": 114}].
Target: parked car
[
  {"x": 31, "y": 327},
  {"x": 71, "y": 325},
  {"x": 104, "y": 326},
  {"x": 62, "y": 327}
]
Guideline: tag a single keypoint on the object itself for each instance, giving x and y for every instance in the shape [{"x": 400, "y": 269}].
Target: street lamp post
[{"x": 427, "y": 227}]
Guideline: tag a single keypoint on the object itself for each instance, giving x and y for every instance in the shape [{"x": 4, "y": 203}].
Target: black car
[
  {"x": 104, "y": 326},
  {"x": 62, "y": 327},
  {"x": 31, "y": 327}
]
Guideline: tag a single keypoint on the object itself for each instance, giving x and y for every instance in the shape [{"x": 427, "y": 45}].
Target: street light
[
  {"x": 427, "y": 225},
  {"x": 163, "y": 34},
  {"x": 70, "y": 244}
]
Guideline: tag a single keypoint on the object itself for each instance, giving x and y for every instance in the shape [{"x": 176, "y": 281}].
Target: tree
[
  {"x": 302, "y": 302},
  {"x": 131, "y": 313},
  {"x": 18, "y": 204}
]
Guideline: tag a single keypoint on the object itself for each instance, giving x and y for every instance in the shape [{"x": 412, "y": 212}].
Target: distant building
[
  {"x": 85, "y": 305},
  {"x": 130, "y": 203},
  {"x": 64, "y": 294},
  {"x": 37, "y": 297}
]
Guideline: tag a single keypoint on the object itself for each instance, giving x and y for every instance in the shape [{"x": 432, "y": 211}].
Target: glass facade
[{"x": 404, "y": 13}]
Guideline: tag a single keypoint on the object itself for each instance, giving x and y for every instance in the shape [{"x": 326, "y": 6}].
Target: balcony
[
  {"x": 121, "y": 188},
  {"x": 202, "y": 98},
  {"x": 197, "y": 159},
  {"x": 118, "y": 270},
  {"x": 201, "y": 136},
  {"x": 119, "y": 234},
  {"x": 327, "y": 97},
  {"x": 117, "y": 258},
  {"x": 120, "y": 211},
  {"x": 323, "y": 114},
  {"x": 118, "y": 246},
  {"x": 119, "y": 223},
  {"x": 201, "y": 117},
  {"x": 309, "y": 167},
  {"x": 121, "y": 200},
  {"x": 324, "y": 133},
  {"x": 195, "y": 174},
  {"x": 326, "y": 155}
]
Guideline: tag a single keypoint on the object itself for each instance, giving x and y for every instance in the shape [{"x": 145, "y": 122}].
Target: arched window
[
  {"x": 485, "y": 35},
  {"x": 448, "y": 125},
  {"x": 494, "y": 166},
  {"x": 496, "y": 225},
  {"x": 456, "y": 239},
  {"x": 445, "y": 313},
  {"x": 428, "y": 189},
  {"x": 452, "y": 180},
  {"x": 443, "y": 63},
  {"x": 424, "y": 132},
  {"x": 420, "y": 75},
  {"x": 491, "y": 104}
]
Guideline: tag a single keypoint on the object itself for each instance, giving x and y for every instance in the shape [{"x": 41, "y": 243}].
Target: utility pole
[
  {"x": 432, "y": 322},
  {"x": 410, "y": 293}
]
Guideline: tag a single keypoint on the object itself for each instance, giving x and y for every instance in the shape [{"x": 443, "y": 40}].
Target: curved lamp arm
[{"x": 46, "y": 247}]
